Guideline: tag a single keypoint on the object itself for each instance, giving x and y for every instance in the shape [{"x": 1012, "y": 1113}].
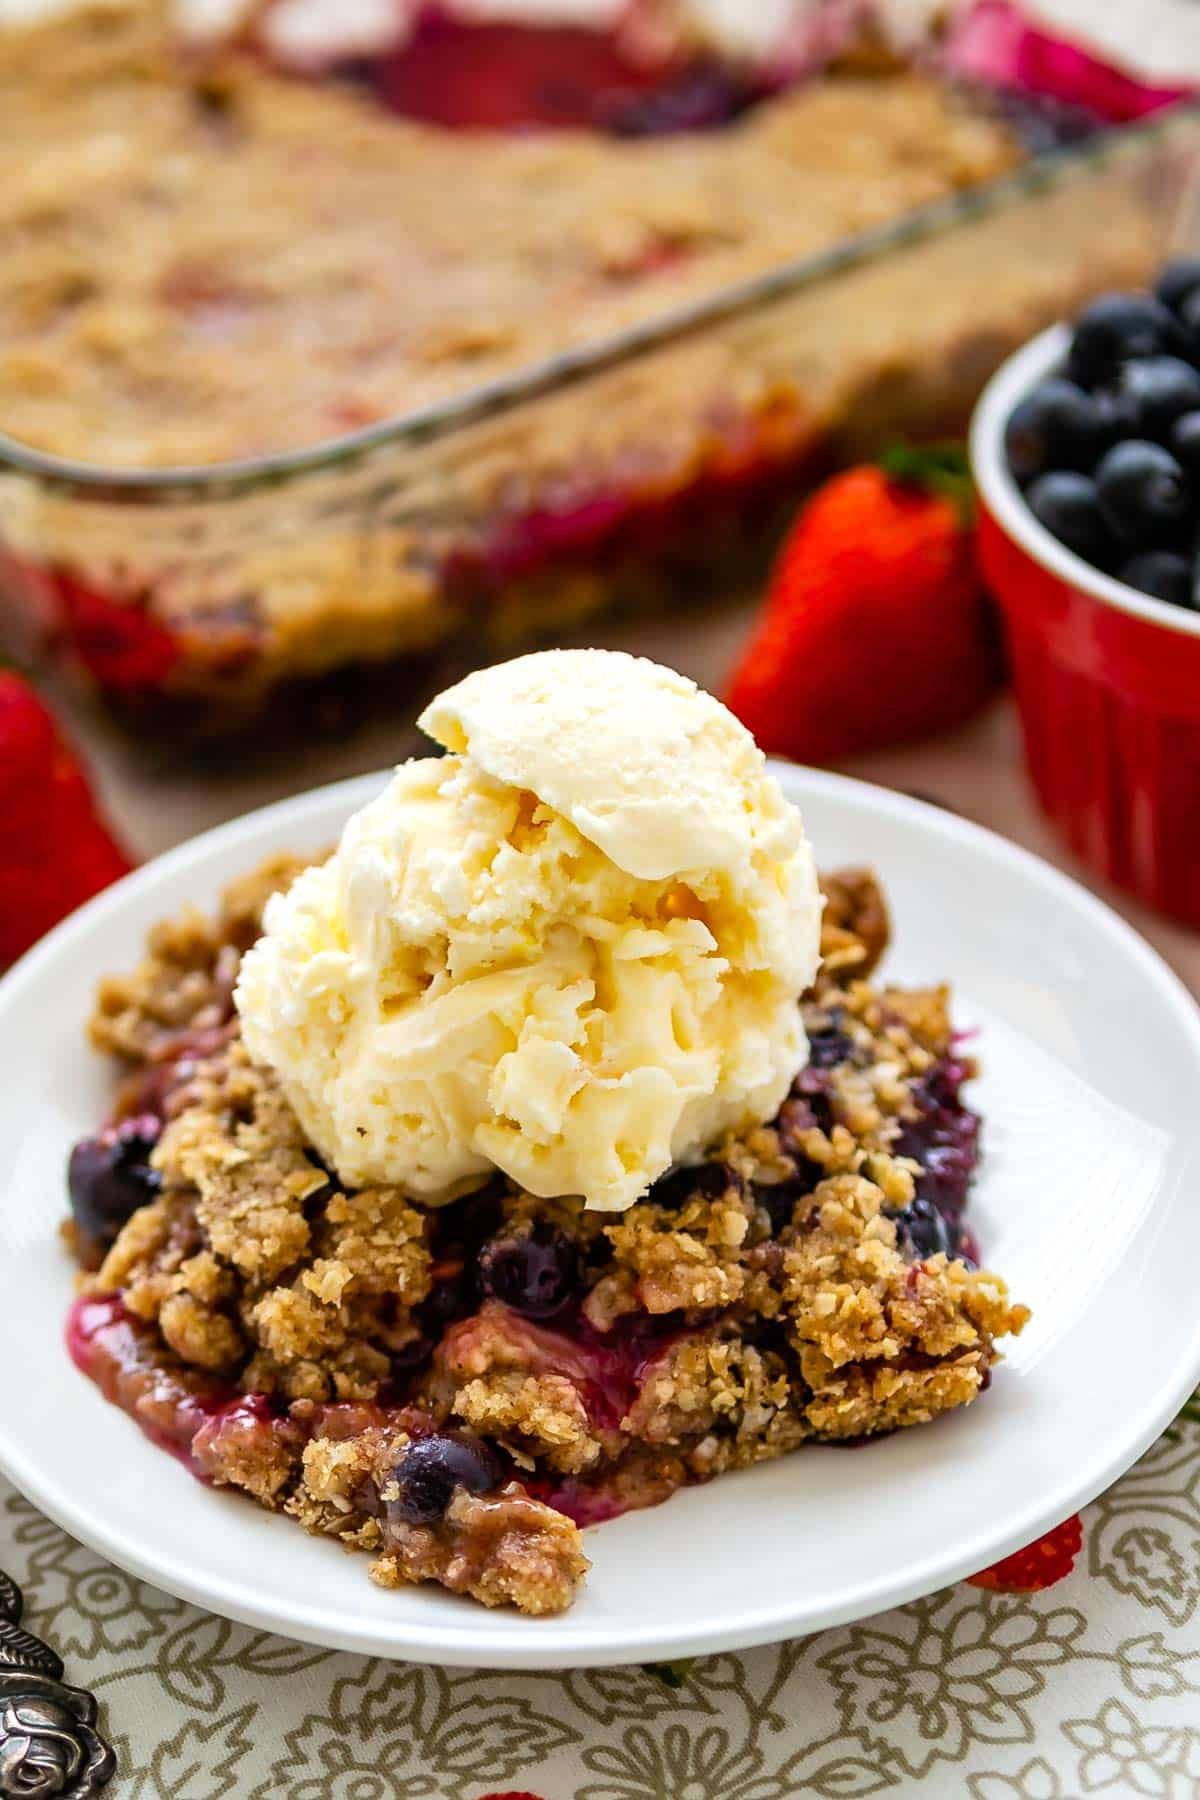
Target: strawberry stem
[{"x": 938, "y": 468}]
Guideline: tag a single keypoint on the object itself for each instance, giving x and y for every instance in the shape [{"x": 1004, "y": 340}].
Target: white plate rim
[{"x": 460, "y": 1645}]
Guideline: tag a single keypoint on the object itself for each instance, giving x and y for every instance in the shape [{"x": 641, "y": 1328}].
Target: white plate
[{"x": 1087, "y": 1204}]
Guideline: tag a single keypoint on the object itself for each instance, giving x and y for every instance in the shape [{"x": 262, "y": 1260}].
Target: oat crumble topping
[
  {"x": 366, "y": 1366},
  {"x": 196, "y": 268}
]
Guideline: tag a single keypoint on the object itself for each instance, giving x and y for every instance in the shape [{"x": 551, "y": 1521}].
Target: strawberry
[
  {"x": 1038, "y": 1565},
  {"x": 55, "y": 848},
  {"x": 875, "y": 628}
]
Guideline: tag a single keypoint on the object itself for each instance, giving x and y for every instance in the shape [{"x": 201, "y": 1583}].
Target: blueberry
[
  {"x": 1151, "y": 393},
  {"x": 1185, "y": 442},
  {"x": 1057, "y": 426},
  {"x": 807, "y": 1108},
  {"x": 941, "y": 1089},
  {"x": 409, "y": 1360},
  {"x": 1041, "y": 121},
  {"x": 450, "y": 1300},
  {"x": 1162, "y": 573},
  {"x": 943, "y": 1137},
  {"x": 109, "y": 1177},
  {"x": 1143, "y": 492},
  {"x": 1115, "y": 328},
  {"x": 430, "y": 1468},
  {"x": 1189, "y": 319},
  {"x": 828, "y": 1047},
  {"x": 698, "y": 98},
  {"x": 1067, "y": 504},
  {"x": 780, "y": 1197},
  {"x": 461, "y": 1227},
  {"x": 923, "y": 1231},
  {"x": 706, "y": 1181},
  {"x": 536, "y": 1274},
  {"x": 1180, "y": 277},
  {"x": 946, "y": 1175}
]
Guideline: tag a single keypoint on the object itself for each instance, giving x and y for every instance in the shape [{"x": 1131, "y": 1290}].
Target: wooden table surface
[{"x": 159, "y": 800}]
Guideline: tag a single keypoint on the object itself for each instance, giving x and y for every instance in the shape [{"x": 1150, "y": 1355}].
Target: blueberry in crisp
[
  {"x": 109, "y": 1177},
  {"x": 422, "y": 1483},
  {"x": 944, "y": 1139},
  {"x": 828, "y": 1046},
  {"x": 924, "y": 1230},
  {"x": 781, "y": 1197},
  {"x": 536, "y": 1274},
  {"x": 706, "y": 1181},
  {"x": 700, "y": 97}
]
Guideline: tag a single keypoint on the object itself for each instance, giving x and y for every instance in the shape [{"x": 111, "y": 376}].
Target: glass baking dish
[{"x": 648, "y": 465}]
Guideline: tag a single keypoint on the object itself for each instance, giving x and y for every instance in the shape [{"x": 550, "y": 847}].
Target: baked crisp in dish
[
  {"x": 206, "y": 260},
  {"x": 586, "y": 398},
  {"x": 458, "y": 1390}
]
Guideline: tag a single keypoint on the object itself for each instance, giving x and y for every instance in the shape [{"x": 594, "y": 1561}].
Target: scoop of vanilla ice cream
[{"x": 571, "y": 949}]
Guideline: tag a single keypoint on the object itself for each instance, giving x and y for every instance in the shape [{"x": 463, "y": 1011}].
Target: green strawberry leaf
[{"x": 938, "y": 468}]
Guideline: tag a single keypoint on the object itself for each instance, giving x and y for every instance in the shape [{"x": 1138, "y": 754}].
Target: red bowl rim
[{"x": 1006, "y": 503}]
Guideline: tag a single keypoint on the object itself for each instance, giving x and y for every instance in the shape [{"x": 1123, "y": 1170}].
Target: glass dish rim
[{"x": 549, "y": 375}]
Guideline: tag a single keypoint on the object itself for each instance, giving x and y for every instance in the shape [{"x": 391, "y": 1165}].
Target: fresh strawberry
[
  {"x": 875, "y": 628},
  {"x": 55, "y": 848},
  {"x": 1038, "y": 1565}
]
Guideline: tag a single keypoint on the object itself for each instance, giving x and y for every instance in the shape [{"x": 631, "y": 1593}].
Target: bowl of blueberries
[{"x": 1085, "y": 448}]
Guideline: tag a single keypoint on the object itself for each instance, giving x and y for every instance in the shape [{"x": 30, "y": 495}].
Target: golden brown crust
[
  {"x": 239, "y": 1452},
  {"x": 852, "y": 1298},
  {"x": 238, "y": 1147},
  {"x": 855, "y": 927},
  {"x": 505, "y": 1549},
  {"x": 708, "y": 1379},
  {"x": 185, "y": 981},
  {"x": 688, "y": 1258},
  {"x": 540, "y": 1417},
  {"x": 199, "y": 270}
]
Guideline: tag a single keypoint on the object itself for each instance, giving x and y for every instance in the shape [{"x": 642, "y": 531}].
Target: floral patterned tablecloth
[{"x": 1089, "y": 1684}]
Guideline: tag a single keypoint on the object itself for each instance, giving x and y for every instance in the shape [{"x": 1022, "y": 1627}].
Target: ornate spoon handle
[{"x": 49, "y": 1746}]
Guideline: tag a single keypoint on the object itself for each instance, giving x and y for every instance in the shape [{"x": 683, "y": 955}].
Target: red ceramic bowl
[{"x": 1107, "y": 679}]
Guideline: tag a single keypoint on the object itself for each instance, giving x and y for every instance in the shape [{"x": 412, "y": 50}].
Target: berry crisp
[{"x": 460, "y": 1391}]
